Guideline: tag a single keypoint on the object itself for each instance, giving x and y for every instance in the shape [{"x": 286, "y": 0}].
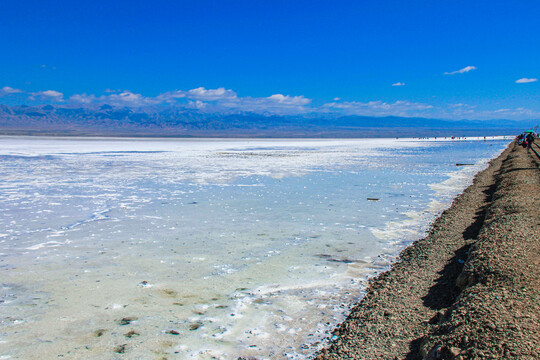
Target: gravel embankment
[{"x": 471, "y": 288}]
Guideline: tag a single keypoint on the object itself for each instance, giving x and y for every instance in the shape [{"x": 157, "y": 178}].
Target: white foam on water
[{"x": 47, "y": 244}]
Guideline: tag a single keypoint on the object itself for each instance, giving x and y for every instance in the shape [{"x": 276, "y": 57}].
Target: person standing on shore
[
  {"x": 529, "y": 138},
  {"x": 520, "y": 139}
]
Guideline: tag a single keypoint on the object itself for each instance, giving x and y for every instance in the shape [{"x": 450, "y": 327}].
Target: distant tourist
[
  {"x": 530, "y": 139},
  {"x": 520, "y": 139}
]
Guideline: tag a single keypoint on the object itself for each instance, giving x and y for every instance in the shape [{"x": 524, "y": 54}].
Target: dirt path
[{"x": 470, "y": 289}]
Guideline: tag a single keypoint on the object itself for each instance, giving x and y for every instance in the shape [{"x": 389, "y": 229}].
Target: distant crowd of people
[{"x": 526, "y": 139}]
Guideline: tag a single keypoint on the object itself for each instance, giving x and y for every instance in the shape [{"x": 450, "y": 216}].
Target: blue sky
[{"x": 433, "y": 58}]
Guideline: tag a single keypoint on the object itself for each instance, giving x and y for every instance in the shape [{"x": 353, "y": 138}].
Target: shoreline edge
[{"x": 470, "y": 289}]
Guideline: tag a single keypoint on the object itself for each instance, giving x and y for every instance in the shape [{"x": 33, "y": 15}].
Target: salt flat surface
[{"x": 204, "y": 248}]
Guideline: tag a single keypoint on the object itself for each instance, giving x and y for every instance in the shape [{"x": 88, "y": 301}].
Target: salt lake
[{"x": 117, "y": 248}]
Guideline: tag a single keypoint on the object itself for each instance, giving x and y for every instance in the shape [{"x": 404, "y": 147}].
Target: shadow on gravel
[
  {"x": 471, "y": 232},
  {"x": 521, "y": 169},
  {"x": 414, "y": 350},
  {"x": 444, "y": 292},
  {"x": 535, "y": 152}
]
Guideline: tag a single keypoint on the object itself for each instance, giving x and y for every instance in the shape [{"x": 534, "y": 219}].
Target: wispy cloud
[
  {"x": 47, "y": 95},
  {"x": 122, "y": 98},
  {"x": 201, "y": 93},
  {"x": 289, "y": 100},
  {"x": 473, "y": 112},
  {"x": 6, "y": 90},
  {"x": 83, "y": 98},
  {"x": 462, "y": 106},
  {"x": 278, "y": 104},
  {"x": 461, "y": 71},
  {"x": 211, "y": 100},
  {"x": 197, "y": 104},
  {"x": 525, "y": 80},
  {"x": 515, "y": 113},
  {"x": 398, "y": 84},
  {"x": 380, "y": 108},
  {"x": 128, "y": 98}
]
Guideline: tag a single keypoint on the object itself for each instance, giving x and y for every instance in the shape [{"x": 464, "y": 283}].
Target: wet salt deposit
[{"x": 168, "y": 248}]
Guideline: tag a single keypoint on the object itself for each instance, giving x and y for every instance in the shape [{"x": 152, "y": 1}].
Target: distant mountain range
[{"x": 106, "y": 120}]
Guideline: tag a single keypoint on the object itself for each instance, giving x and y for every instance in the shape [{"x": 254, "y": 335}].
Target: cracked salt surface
[{"x": 206, "y": 248}]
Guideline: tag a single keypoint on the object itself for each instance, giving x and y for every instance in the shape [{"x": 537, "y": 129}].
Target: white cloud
[
  {"x": 398, "y": 84},
  {"x": 83, "y": 98},
  {"x": 465, "y": 111},
  {"x": 517, "y": 113},
  {"x": 462, "y": 106},
  {"x": 525, "y": 80},
  {"x": 51, "y": 93},
  {"x": 123, "y": 98},
  {"x": 48, "y": 95},
  {"x": 128, "y": 98},
  {"x": 201, "y": 93},
  {"x": 380, "y": 108},
  {"x": 289, "y": 100},
  {"x": 461, "y": 71},
  {"x": 226, "y": 101},
  {"x": 7, "y": 90},
  {"x": 222, "y": 99},
  {"x": 277, "y": 104},
  {"x": 211, "y": 100},
  {"x": 170, "y": 97},
  {"x": 197, "y": 104}
]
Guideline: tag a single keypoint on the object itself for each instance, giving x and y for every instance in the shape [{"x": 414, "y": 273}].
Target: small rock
[
  {"x": 99, "y": 332},
  {"x": 120, "y": 348},
  {"x": 126, "y": 320}
]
